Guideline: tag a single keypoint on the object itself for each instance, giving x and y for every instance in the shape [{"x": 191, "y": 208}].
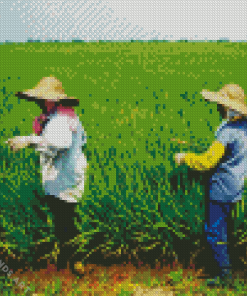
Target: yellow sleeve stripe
[{"x": 207, "y": 160}]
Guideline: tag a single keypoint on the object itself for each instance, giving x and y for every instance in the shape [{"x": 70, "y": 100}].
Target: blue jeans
[{"x": 216, "y": 231}]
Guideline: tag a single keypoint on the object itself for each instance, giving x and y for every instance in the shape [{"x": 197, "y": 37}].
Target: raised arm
[{"x": 57, "y": 135}]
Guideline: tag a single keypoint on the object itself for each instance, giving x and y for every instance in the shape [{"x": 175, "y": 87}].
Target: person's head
[
  {"x": 231, "y": 101},
  {"x": 49, "y": 105},
  {"x": 229, "y": 114},
  {"x": 48, "y": 94}
]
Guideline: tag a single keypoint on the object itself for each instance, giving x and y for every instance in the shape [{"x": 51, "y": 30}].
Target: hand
[
  {"x": 18, "y": 143},
  {"x": 179, "y": 158}
]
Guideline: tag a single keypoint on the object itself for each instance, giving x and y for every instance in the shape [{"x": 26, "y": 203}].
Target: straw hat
[
  {"x": 231, "y": 96},
  {"x": 49, "y": 88}
]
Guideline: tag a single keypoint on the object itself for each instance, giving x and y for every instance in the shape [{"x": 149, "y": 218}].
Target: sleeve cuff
[
  {"x": 39, "y": 142},
  {"x": 207, "y": 160}
]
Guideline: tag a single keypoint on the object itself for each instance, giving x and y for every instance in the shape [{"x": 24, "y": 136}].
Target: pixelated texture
[
  {"x": 140, "y": 104},
  {"x": 125, "y": 20},
  {"x": 135, "y": 98},
  {"x": 21, "y": 222}
]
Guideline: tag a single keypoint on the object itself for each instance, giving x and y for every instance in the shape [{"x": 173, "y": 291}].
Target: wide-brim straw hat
[
  {"x": 49, "y": 88},
  {"x": 231, "y": 96}
]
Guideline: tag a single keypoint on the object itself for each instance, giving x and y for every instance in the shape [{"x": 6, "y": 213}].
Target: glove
[
  {"x": 179, "y": 157},
  {"x": 18, "y": 143}
]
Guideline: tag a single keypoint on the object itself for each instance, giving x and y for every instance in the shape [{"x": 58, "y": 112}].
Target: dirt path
[{"x": 113, "y": 279}]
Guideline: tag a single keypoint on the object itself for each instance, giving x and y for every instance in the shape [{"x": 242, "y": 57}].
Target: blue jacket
[{"x": 228, "y": 157}]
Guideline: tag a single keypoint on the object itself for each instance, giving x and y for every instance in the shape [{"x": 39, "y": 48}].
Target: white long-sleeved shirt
[{"x": 62, "y": 161}]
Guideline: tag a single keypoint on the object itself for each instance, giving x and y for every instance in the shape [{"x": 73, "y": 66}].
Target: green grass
[{"x": 133, "y": 97}]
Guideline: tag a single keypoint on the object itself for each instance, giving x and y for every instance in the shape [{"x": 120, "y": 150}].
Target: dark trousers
[
  {"x": 216, "y": 230},
  {"x": 65, "y": 229}
]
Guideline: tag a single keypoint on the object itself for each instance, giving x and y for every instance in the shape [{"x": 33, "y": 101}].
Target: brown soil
[{"x": 92, "y": 276}]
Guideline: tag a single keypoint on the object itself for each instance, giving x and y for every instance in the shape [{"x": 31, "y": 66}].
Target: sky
[{"x": 123, "y": 20}]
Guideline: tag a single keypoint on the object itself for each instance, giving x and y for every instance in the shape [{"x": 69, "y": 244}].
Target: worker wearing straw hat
[
  {"x": 227, "y": 157},
  {"x": 59, "y": 137}
]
